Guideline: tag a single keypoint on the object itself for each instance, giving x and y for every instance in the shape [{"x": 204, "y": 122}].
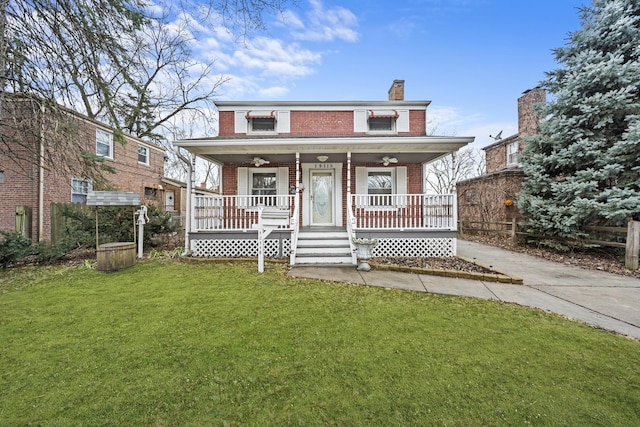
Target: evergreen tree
[{"x": 583, "y": 167}]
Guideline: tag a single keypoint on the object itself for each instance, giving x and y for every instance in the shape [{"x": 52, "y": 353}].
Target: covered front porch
[{"x": 276, "y": 203}]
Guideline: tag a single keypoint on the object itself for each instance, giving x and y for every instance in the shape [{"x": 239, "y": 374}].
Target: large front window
[
  {"x": 379, "y": 187},
  {"x": 264, "y": 184}
]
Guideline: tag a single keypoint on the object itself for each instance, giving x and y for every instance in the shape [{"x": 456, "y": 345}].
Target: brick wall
[
  {"x": 323, "y": 123},
  {"x": 21, "y": 180},
  {"x": 483, "y": 198},
  {"x": 496, "y": 154},
  {"x": 528, "y": 118}
]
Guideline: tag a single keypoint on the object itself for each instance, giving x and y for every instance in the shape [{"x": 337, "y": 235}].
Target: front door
[{"x": 322, "y": 197}]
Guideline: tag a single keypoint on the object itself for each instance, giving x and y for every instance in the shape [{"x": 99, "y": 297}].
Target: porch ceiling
[{"x": 364, "y": 149}]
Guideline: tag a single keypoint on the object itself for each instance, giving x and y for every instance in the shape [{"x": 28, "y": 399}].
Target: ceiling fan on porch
[
  {"x": 259, "y": 161},
  {"x": 386, "y": 160}
]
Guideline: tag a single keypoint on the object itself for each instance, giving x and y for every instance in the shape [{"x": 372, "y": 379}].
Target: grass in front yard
[{"x": 168, "y": 343}]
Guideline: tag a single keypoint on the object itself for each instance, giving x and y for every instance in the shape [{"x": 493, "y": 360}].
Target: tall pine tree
[{"x": 584, "y": 166}]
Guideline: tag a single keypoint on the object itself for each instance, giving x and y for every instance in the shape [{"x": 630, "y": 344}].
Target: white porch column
[
  {"x": 452, "y": 183},
  {"x": 297, "y": 176},
  {"x": 349, "y": 178},
  {"x": 188, "y": 221}
]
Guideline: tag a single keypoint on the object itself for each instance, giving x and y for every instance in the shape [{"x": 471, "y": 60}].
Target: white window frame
[
  {"x": 512, "y": 153},
  {"x": 251, "y": 131},
  {"x": 392, "y": 174},
  {"x": 75, "y": 181},
  {"x": 146, "y": 155},
  {"x": 104, "y": 138},
  {"x": 392, "y": 122},
  {"x": 398, "y": 182},
  {"x": 245, "y": 182},
  {"x": 251, "y": 188}
]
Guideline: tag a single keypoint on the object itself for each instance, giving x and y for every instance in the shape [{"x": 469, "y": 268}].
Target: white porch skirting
[
  {"x": 415, "y": 247},
  {"x": 233, "y": 247},
  {"x": 239, "y": 248}
]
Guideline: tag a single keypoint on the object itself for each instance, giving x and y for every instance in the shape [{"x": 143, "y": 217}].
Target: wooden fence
[
  {"x": 625, "y": 237},
  {"x": 59, "y": 221}
]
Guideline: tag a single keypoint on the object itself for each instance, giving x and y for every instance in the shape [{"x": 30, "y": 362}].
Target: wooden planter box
[{"x": 116, "y": 256}]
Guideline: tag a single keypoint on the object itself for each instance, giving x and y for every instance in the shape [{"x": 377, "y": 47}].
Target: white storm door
[
  {"x": 169, "y": 201},
  {"x": 322, "y": 197}
]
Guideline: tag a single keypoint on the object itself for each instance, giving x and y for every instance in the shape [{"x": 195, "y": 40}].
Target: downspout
[{"x": 41, "y": 177}]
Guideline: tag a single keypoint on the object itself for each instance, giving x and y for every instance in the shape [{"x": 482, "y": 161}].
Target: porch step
[
  {"x": 323, "y": 247},
  {"x": 323, "y": 260}
]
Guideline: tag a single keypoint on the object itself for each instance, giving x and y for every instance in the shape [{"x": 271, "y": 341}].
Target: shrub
[
  {"x": 115, "y": 224},
  {"x": 14, "y": 248}
]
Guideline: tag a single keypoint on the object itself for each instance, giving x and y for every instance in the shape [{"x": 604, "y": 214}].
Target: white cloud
[
  {"x": 450, "y": 121},
  {"x": 290, "y": 19},
  {"x": 273, "y": 92},
  {"x": 266, "y": 66},
  {"x": 273, "y": 57},
  {"x": 328, "y": 24}
]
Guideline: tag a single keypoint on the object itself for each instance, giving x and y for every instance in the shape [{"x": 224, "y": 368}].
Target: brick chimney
[
  {"x": 396, "y": 92},
  {"x": 528, "y": 118}
]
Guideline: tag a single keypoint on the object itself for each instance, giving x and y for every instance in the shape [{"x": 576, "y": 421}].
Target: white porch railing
[
  {"x": 404, "y": 211},
  {"x": 364, "y": 211},
  {"x": 235, "y": 212}
]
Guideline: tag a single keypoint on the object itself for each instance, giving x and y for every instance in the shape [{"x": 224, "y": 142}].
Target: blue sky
[{"x": 471, "y": 58}]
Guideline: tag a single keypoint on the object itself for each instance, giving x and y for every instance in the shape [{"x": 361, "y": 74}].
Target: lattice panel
[
  {"x": 238, "y": 248},
  {"x": 436, "y": 248}
]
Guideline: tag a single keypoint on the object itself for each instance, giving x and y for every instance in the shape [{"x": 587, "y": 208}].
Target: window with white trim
[
  {"x": 79, "y": 190},
  {"x": 262, "y": 124},
  {"x": 263, "y": 186},
  {"x": 143, "y": 155},
  {"x": 382, "y": 124},
  {"x": 512, "y": 153},
  {"x": 380, "y": 187},
  {"x": 1, "y": 177},
  {"x": 104, "y": 143}
]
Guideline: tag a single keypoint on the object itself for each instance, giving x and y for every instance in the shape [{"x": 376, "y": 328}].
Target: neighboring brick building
[
  {"x": 353, "y": 165},
  {"x": 28, "y": 187},
  {"x": 491, "y": 197}
]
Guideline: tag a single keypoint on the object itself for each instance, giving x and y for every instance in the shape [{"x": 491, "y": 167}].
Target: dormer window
[
  {"x": 261, "y": 122},
  {"x": 382, "y": 121}
]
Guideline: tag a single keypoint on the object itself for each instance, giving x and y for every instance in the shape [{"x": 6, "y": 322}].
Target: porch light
[{"x": 322, "y": 158}]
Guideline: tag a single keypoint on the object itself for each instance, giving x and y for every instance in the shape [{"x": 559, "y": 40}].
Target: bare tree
[
  {"x": 442, "y": 175},
  {"x": 115, "y": 61}
]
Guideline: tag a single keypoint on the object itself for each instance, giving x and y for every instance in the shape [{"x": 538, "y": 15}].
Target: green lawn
[{"x": 168, "y": 343}]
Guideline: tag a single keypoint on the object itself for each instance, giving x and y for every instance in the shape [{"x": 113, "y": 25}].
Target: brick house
[
  {"x": 491, "y": 197},
  {"x": 331, "y": 171},
  {"x": 28, "y": 186},
  {"x": 175, "y": 197}
]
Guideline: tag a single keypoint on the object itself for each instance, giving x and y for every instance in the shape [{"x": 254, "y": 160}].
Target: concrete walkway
[{"x": 599, "y": 299}]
